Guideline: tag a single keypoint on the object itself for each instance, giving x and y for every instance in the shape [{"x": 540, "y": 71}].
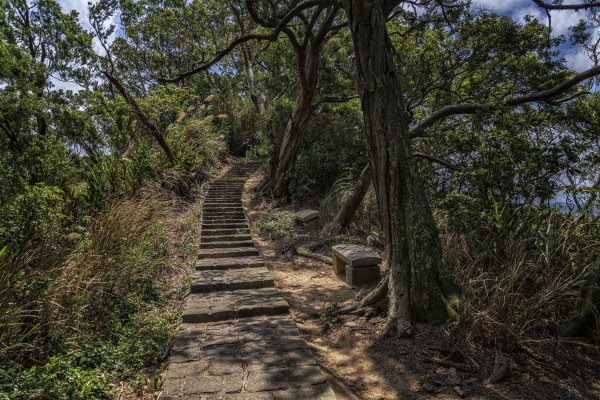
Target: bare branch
[{"x": 473, "y": 108}]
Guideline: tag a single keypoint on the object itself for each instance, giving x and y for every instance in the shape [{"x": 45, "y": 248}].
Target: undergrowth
[
  {"x": 105, "y": 314},
  {"x": 92, "y": 279},
  {"x": 277, "y": 225}
]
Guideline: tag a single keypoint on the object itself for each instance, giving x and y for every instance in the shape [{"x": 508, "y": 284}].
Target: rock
[
  {"x": 427, "y": 387},
  {"x": 459, "y": 391},
  {"x": 306, "y": 215},
  {"x": 351, "y": 324}
]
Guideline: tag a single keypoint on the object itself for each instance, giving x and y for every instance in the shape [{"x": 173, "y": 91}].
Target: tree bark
[
  {"x": 152, "y": 127},
  {"x": 420, "y": 286},
  {"x": 307, "y": 55},
  {"x": 255, "y": 95},
  {"x": 346, "y": 213},
  {"x": 288, "y": 149}
]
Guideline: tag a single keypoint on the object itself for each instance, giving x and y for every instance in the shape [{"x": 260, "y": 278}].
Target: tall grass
[
  {"x": 524, "y": 270},
  {"x": 102, "y": 313}
]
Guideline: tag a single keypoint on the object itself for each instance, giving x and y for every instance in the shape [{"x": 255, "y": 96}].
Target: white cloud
[{"x": 561, "y": 22}]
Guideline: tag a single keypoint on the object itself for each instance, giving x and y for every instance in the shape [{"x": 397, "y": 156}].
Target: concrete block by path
[
  {"x": 359, "y": 264},
  {"x": 363, "y": 274},
  {"x": 305, "y": 216}
]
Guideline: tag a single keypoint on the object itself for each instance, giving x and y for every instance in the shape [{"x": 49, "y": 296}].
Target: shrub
[{"x": 278, "y": 225}]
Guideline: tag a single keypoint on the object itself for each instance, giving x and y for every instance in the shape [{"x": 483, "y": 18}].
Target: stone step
[
  {"x": 225, "y": 238},
  {"x": 219, "y": 306},
  {"x": 217, "y": 212},
  {"x": 254, "y": 358},
  {"x": 229, "y": 263},
  {"x": 210, "y": 210},
  {"x": 224, "y": 231},
  {"x": 212, "y": 221},
  {"x": 224, "y": 225},
  {"x": 222, "y": 199},
  {"x": 233, "y": 279},
  {"x": 224, "y": 217},
  {"x": 228, "y": 252},
  {"x": 225, "y": 245},
  {"x": 225, "y": 220},
  {"x": 210, "y": 206}
]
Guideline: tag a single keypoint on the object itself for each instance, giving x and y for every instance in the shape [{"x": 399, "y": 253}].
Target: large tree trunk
[
  {"x": 345, "y": 214},
  {"x": 307, "y": 62},
  {"x": 255, "y": 95},
  {"x": 288, "y": 149},
  {"x": 420, "y": 286}
]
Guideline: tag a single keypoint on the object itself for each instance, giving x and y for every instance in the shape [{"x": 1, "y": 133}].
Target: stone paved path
[{"x": 236, "y": 340}]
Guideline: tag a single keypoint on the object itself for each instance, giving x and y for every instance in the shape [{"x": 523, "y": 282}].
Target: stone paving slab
[
  {"x": 218, "y": 306},
  {"x": 224, "y": 231},
  {"x": 227, "y": 263},
  {"x": 236, "y": 340},
  {"x": 224, "y": 244},
  {"x": 233, "y": 279},
  {"x": 225, "y": 238},
  {"x": 228, "y": 252},
  {"x": 221, "y": 225},
  {"x": 248, "y": 358}
]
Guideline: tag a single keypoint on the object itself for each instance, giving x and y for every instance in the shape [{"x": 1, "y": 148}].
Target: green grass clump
[{"x": 277, "y": 225}]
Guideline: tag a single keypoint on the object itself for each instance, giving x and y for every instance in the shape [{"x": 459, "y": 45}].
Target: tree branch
[
  {"x": 277, "y": 29},
  {"x": 154, "y": 129},
  {"x": 579, "y": 6},
  {"x": 436, "y": 160},
  {"x": 472, "y": 108}
]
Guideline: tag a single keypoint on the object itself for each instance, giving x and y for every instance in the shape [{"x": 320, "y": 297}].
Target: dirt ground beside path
[{"x": 430, "y": 365}]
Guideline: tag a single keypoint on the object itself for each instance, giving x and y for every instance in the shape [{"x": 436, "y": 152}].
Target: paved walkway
[{"x": 236, "y": 340}]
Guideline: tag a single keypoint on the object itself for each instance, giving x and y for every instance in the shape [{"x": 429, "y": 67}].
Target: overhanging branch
[
  {"x": 579, "y": 6},
  {"x": 278, "y": 28},
  {"x": 473, "y": 108}
]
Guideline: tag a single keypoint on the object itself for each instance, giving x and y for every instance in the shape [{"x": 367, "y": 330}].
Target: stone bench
[
  {"x": 305, "y": 216},
  {"x": 359, "y": 264}
]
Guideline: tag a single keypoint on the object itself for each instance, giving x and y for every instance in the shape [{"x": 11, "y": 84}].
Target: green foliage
[
  {"x": 101, "y": 317},
  {"x": 330, "y": 317},
  {"x": 277, "y": 225}
]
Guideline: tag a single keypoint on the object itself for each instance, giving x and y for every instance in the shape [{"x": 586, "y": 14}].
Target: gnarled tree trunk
[
  {"x": 307, "y": 54},
  {"x": 288, "y": 149},
  {"x": 345, "y": 214},
  {"x": 420, "y": 286}
]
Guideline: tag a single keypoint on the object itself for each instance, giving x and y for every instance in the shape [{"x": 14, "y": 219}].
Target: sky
[
  {"x": 561, "y": 21},
  {"x": 516, "y": 9}
]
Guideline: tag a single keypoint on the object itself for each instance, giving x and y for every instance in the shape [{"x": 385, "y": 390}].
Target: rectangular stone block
[
  {"x": 364, "y": 274},
  {"x": 339, "y": 266}
]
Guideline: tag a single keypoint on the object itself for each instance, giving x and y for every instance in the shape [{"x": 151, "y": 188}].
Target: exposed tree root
[
  {"x": 397, "y": 327},
  {"x": 373, "y": 297}
]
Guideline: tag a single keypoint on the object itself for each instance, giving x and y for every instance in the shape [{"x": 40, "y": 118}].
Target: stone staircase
[{"x": 236, "y": 340}]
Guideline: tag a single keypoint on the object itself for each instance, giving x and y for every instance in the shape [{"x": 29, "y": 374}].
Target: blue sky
[
  {"x": 516, "y": 9},
  {"x": 561, "y": 21}
]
